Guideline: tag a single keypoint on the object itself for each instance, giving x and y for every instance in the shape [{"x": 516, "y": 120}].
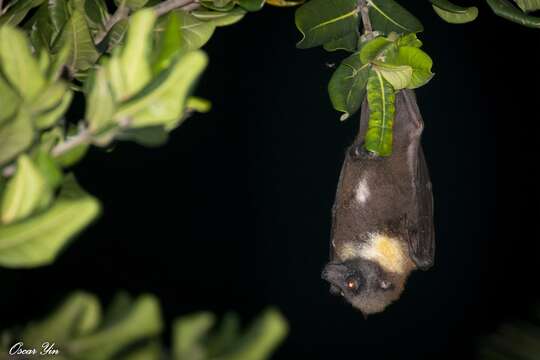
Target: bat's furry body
[{"x": 383, "y": 215}]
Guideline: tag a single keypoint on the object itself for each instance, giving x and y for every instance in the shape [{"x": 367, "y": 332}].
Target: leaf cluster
[
  {"x": 383, "y": 61},
  {"x": 130, "y": 328},
  {"x": 517, "y": 12},
  {"x": 136, "y": 72}
]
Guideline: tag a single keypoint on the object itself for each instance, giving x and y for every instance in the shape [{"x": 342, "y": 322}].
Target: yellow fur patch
[{"x": 387, "y": 251}]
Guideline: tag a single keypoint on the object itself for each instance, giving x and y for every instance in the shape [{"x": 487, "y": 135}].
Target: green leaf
[
  {"x": 115, "y": 36},
  {"x": 454, "y": 14},
  {"x": 189, "y": 334},
  {"x": 528, "y": 5},
  {"x": 48, "y": 167},
  {"x": 381, "y": 100},
  {"x": 17, "y": 11},
  {"x": 225, "y": 337},
  {"x": 323, "y": 21},
  {"x": 9, "y": 101},
  {"x": 399, "y": 76},
  {"x": 194, "y": 32},
  {"x": 132, "y": 4},
  {"x": 409, "y": 40},
  {"x": 135, "y": 54},
  {"x": 37, "y": 240},
  {"x": 163, "y": 100},
  {"x": 51, "y": 104},
  {"x": 39, "y": 29},
  {"x": 284, "y": 3},
  {"x": 16, "y": 135},
  {"x": 251, "y": 5},
  {"x": 218, "y": 5},
  {"x": 18, "y": 65},
  {"x": 387, "y": 16},
  {"x": 198, "y": 104},
  {"x": 49, "y": 98},
  {"x": 50, "y": 138},
  {"x": 149, "y": 350},
  {"x": 24, "y": 191},
  {"x": 374, "y": 49},
  {"x": 142, "y": 321},
  {"x": 83, "y": 52},
  {"x": 100, "y": 103},
  {"x": 150, "y": 136},
  {"x": 96, "y": 15},
  {"x": 79, "y": 315},
  {"x": 75, "y": 154},
  {"x": 59, "y": 13},
  {"x": 508, "y": 11},
  {"x": 347, "y": 86},
  {"x": 348, "y": 42},
  {"x": 59, "y": 60},
  {"x": 219, "y": 18},
  {"x": 418, "y": 60},
  {"x": 51, "y": 116},
  {"x": 168, "y": 45},
  {"x": 261, "y": 339},
  {"x": 119, "y": 307}
]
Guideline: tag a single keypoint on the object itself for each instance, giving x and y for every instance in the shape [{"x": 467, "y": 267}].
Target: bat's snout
[{"x": 333, "y": 273}]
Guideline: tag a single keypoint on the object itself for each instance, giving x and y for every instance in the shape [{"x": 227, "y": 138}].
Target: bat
[{"x": 382, "y": 218}]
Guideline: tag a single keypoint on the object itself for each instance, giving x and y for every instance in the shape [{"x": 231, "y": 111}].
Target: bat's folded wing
[{"x": 422, "y": 236}]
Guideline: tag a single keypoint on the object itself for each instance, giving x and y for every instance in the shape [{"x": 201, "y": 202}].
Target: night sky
[{"x": 234, "y": 212}]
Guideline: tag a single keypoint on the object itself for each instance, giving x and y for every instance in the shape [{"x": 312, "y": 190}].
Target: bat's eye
[
  {"x": 385, "y": 284},
  {"x": 352, "y": 284}
]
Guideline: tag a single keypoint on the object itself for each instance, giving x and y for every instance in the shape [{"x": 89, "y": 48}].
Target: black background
[{"x": 234, "y": 212}]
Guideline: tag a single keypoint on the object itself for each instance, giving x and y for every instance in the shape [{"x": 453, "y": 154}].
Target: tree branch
[
  {"x": 168, "y": 5},
  {"x": 121, "y": 13},
  {"x": 364, "y": 12},
  {"x": 191, "y": 7},
  {"x": 83, "y": 137}
]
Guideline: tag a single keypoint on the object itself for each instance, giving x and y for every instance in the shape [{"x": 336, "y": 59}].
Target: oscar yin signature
[{"x": 47, "y": 348}]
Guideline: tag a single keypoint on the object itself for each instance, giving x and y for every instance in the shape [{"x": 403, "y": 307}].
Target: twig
[
  {"x": 168, "y": 5},
  {"x": 364, "y": 12},
  {"x": 121, "y": 13},
  {"x": 191, "y": 7},
  {"x": 83, "y": 137},
  {"x": 9, "y": 170}
]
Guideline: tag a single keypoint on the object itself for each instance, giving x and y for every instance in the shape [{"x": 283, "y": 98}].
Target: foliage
[
  {"x": 130, "y": 328},
  {"x": 514, "y": 340},
  {"x": 509, "y": 11},
  {"x": 379, "y": 66},
  {"x": 454, "y": 14},
  {"x": 135, "y": 69},
  {"x": 388, "y": 50}
]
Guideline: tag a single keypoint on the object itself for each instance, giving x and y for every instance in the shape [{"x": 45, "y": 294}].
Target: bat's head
[{"x": 364, "y": 284}]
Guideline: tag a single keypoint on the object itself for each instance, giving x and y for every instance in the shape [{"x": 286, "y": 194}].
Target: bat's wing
[
  {"x": 420, "y": 220},
  {"x": 422, "y": 235}
]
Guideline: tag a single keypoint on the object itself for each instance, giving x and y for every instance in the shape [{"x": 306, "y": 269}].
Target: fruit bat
[{"x": 382, "y": 226}]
